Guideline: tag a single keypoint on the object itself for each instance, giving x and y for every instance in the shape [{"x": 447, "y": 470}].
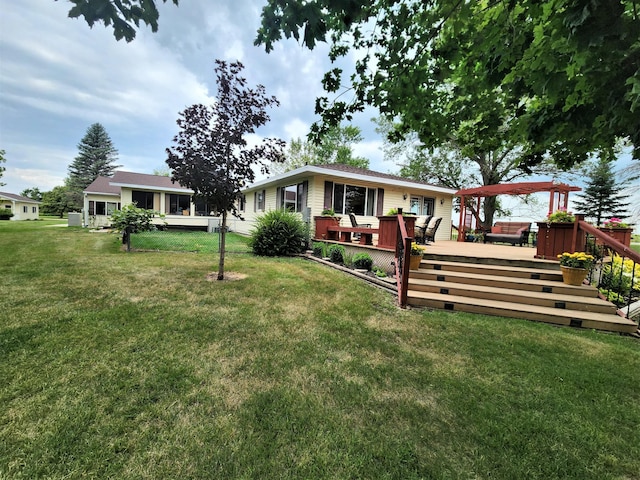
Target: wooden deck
[{"x": 508, "y": 281}]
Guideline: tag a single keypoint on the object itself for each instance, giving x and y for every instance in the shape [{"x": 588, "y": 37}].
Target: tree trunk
[{"x": 223, "y": 235}]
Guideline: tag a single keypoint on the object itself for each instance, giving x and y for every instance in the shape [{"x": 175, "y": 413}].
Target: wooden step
[
  {"x": 510, "y": 283},
  {"x": 536, "y": 264},
  {"x": 488, "y": 269},
  {"x": 599, "y": 321},
  {"x": 526, "y": 297}
]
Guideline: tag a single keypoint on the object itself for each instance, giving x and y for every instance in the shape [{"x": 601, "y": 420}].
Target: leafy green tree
[
  {"x": 57, "y": 201},
  {"x": 568, "y": 70},
  {"x": 2, "y": 169},
  {"x": 96, "y": 157},
  {"x": 33, "y": 193},
  {"x": 602, "y": 197},
  {"x": 462, "y": 162},
  {"x": 334, "y": 147},
  {"x": 211, "y": 155},
  {"x": 125, "y": 16}
]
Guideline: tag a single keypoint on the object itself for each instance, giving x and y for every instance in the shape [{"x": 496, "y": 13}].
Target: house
[
  {"x": 23, "y": 208},
  {"x": 307, "y": 190},
  {"x": 368, "y": 194}
]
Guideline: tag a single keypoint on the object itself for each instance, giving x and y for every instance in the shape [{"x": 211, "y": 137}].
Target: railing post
[{"x": 574, "y": 238}]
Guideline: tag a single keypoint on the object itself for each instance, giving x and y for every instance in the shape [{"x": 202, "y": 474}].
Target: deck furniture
[
  {"x": 343, "y": 234},
  {"x": 430, "y": 231},
  {"x": 421, "y": 225},
  {"x": 509, "y": 232}
]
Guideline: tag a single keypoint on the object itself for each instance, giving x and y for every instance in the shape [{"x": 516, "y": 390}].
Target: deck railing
[
  {"x": 616, "y": 271},
  {"x": 402, "y": 259}
]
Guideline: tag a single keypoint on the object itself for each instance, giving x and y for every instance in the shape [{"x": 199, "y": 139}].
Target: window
[
  {"x": 293, "y": 197},
  {"x": 101, "y": 208},
  {"x": 421, "y": 205},
  {"x": 204, "y": 209},
  {"x": 112, "y": 207},
  {"x": 34, "y": 209},
  {"x": 242, "y": 203},
  {"x": 352, "y": 199},
  {"x": 176, "y": 204},
  {"x": 258, "y": 205},
  {"x": 142, "y": 199},
  {"x": 25, "y": 209}
]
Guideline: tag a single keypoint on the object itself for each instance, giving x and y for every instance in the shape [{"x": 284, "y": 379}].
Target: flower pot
[
  {"x": 414, "y": 262},
  {"x": 621, "y": 234},
  {"x": 573, "y": 276}
]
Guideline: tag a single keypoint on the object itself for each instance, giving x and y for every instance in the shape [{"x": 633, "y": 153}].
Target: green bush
[
  {"x": 362, "y": 261},
  {"x": 320, "y": 249},
  {"x": 138, "y": 219},
  {"x": 5, "y": 213},
  {"x": 336, "y": 253},
  {"x": 278, "y": 233}
]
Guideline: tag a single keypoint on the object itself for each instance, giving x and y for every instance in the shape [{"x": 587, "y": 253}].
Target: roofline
[
  {"x": 88, "y": 192},
  {"x": 27, "y": 200},
  {"x": 152, "y": 187},
  {"x": 312, "y": 169}
]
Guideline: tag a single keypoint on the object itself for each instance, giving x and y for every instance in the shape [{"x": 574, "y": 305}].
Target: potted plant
[
  {"x": 325, "y": 220},
  {"x": 416, "y": 256},
  {"x": 555, "y": 235},
  {"x": 575, "y": 266},
  {"x": 618, "y": 230}
]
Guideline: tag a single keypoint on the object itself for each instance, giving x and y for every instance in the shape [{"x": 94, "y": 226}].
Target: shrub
[
  {"x": 138, "y": 219},
  {"x": 5, "y": 213},
  {"x": 362, "y": 261},
  {"x": 278, "y": 233},
  {"x": 336, "y": 253}
]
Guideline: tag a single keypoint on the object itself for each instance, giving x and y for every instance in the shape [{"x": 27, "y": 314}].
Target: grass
[
  {"x": 188, "y": 242},
  {"x": 116, "y": 365}
]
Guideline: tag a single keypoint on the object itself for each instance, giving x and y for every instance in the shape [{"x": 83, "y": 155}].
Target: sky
[{"x": 58, "y": 76}]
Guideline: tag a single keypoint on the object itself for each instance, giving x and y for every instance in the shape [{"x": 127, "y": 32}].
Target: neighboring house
[
  {"x": 368, "y": 194},
  {"x": 307, "y": 190},
  {"x": 23, "y": 208}
]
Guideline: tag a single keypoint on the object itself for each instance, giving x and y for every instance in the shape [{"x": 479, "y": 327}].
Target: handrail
[
  {"x": 402, "y": 259},
  {"x": 618, "y": 247}
]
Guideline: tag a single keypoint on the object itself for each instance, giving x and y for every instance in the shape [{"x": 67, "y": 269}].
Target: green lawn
[{"x": 135, "y": 366}]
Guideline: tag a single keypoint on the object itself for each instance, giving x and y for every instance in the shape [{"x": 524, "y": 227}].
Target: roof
[
  {"x": 522, "y": 188},
  {"x": 353, "y": 173},
  {"x": 143, "y": 181},
  {"x": 17, "y": 198}
]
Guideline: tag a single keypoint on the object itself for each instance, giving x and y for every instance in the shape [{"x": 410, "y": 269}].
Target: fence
[{"x": 185, "y": 241}]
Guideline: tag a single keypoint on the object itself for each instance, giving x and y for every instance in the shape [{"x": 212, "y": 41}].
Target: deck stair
[{"x": 527, "y": 289}]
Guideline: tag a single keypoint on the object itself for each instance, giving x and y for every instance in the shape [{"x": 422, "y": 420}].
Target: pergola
[{"x": 558, "y": 198}]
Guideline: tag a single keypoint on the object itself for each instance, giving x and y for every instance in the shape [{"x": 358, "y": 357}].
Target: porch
[{"x": 507, "y": 281}]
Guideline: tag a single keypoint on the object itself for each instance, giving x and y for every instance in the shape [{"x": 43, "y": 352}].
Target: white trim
[
  {"x": 328, "y": 172},
  {"x": 155, "y": 188}
]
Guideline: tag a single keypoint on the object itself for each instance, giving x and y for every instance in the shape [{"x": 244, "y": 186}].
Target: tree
[
  {"x": 334, "y": 147},
  {"x": 2, "y": 169},
  {"x": 602, "y": 196},
  {"x": 33, "y": 193},
  {"x": 569, "y": 70},
  {"x": 57, "y": 202},
  {"x": 96, "y": 158},
  {"x": 211, "y": 155},
  {"x": 124, "y": 16},
  {"x": 462, "y": 162}
]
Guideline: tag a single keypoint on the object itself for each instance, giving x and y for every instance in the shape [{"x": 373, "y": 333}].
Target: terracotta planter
[
  {"x": 557, "y": 238},
  {"x": 623, "y": 235},
  {"x": 414, "y": 262},
  {"x": 573, "y": 276},
  {"x": 322, "y": 223}
]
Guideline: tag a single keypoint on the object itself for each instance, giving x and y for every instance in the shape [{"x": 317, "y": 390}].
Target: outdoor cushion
[{"x": 496, "y": 229}]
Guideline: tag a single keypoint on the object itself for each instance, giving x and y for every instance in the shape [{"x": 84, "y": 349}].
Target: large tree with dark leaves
[
  {"x": 567, "y": 70},
  {"x": 211, "y": 155}
]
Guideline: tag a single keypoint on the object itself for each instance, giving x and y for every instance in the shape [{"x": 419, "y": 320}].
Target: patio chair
[
  {"x": 355, "y": 224},
  {"x": 420, "y": 227},
  {"x": 430, "y": 231}
]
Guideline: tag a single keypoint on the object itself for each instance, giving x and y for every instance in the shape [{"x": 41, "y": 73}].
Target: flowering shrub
[
  {"x": 619, "y": 278},
  {"x": 561, "y": 216},
  {"x": 615, "y": 222},
  {"x": 576, "y": 260},
  {"x": 416, "y": 249}
]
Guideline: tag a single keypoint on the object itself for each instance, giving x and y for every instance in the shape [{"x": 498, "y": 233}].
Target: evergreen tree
[
  {"x": 96, "y": 157},
  {"x": 2, "y": 169},
  {"x": 602, "y": 197}
]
